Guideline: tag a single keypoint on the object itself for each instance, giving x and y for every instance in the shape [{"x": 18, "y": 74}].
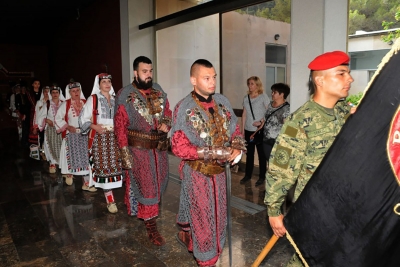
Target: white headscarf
[
  {"x": 96, "y": 86},
  {"x": 68, "y": 95},
  {"x": 48, "y": 93},
  {"x": 61, "y": 97}
]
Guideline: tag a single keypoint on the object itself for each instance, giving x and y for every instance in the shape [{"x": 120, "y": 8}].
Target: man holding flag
[
  {"x": 307, "y": 135},
  {"x": 349, "y": 212}
]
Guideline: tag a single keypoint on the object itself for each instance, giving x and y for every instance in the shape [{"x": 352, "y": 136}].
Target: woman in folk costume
[
  {"x": 33, "y": 97},
  {"x": 74, "y": 158},
  {"x": 97, "y": 119},
  {"x": 46, "y": 122},
  {"x": 44, "y": 97}
]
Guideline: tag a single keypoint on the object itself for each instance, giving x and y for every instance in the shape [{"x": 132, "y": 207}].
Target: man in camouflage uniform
[{"x": 307, "y": 135}]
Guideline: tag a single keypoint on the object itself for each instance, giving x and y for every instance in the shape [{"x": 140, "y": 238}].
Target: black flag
[{"x": 349, "y": 212}]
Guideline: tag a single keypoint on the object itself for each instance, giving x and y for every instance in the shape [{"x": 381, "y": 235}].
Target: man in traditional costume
[
  {"x": 46, "y": 122},
  {"x": 205, "y": 135},
  {"x": 97, "y": 120},
  {"x": 142, "y": 121},
  {"x": 74, "y": 157}
]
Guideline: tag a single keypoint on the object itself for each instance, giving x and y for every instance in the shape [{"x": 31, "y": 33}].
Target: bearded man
[{"x": 142, "y": 121}]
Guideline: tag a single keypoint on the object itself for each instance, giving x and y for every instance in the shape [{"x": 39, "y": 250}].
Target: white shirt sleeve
[
  {"x": 41, "y": 117},
  {"x": 85, "y": 118},
  {"x": 12, "y": 102},
  {"x": 59, "y": 120}
]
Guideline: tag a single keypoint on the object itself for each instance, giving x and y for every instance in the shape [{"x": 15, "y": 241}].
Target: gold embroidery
[
  {"x": 214, "y": 132},
  {"x": 152, "y": 107}
]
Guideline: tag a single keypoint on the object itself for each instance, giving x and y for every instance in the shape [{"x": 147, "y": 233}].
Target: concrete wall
[
  {"x": 141, "y": 42},
  {"x": 367, "y": 43},
  {"x": 316, "y": 27}
]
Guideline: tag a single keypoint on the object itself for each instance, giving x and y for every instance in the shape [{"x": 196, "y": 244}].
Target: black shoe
[
  {"x": 259, "y": 182},
  {"x": 245, "y": 179}
]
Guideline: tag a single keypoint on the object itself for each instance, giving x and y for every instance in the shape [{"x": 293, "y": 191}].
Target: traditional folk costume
[
  {"x": 52, "y": 139},
  {"x": 39, "y": 104},
  {"x": 74, "y": 157},
  {"x": 139, "y": 112},
  {"x": 206, "y": 124},
  {"x": 105, "y": 163}
]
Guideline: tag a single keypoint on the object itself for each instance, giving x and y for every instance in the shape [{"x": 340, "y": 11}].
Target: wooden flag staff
[{"x": 265, "y": 251}]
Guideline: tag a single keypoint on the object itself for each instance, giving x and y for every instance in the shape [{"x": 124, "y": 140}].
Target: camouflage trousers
[{"x": 295, "y": 261}]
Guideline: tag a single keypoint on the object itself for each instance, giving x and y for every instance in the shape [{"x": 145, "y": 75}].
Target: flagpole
[
  {"x": 228, "y": 206},
  {"x": 265, "y": 250}
]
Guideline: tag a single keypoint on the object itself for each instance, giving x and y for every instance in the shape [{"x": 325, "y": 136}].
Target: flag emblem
[{"x": 393, "y": 145}]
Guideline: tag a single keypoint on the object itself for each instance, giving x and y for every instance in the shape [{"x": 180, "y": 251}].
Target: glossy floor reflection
[{"x": 44, "y": 222}]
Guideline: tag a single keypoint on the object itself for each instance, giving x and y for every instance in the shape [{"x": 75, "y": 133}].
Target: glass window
[
  {"x": 274, "y": 74},
  {"x": 366, "y": 60},
  {"x": 280, "y": 74},
  {"x": 270, "y": 80},
  {"x": 275, "y": 54}
]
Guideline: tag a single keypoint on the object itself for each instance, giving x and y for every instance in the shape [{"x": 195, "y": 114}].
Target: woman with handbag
[
  {"x": 255, "y": 104},
  {"x": 275, "y": 116}
]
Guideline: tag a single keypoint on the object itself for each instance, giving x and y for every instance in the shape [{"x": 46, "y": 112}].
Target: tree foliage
[
  {"x": 367, "y": 15},
  {"x": 364, "y": 15},
  {"x": 389, "y": 25},
  {"x": 274, "y": 10}
]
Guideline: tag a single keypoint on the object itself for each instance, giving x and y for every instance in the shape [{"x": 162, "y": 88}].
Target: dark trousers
[
  {"x": 267, "y": 150},
  {"x": 262, "y": 161}
]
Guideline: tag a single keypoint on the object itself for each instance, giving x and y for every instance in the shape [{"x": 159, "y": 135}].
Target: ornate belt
[
  {"x": 208, "y": 169},
  {"x": 148, "y": 140},
  {"x": 108, "y": 127}
]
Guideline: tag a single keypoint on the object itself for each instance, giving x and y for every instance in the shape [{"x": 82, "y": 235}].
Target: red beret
[{"x": 329, "y": 60}]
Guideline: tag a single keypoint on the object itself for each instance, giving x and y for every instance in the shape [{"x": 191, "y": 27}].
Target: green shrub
[{"x": 354, "y": 99}]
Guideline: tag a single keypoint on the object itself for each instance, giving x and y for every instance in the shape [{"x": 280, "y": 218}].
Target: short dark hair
[
  {"x": 34, "y": 79},
  {"x": 281, "y": 88},
  {"x": 200, "y": 62},
  {"x": 311, "y": 83},
  {"x": 140, "y": 59}
]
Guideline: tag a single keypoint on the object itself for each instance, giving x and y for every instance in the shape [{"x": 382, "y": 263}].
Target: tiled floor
[{"x": 44, "y": 222}]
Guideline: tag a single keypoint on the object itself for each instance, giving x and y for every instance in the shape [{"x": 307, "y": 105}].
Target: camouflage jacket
[{"x": 301, "y": 145}]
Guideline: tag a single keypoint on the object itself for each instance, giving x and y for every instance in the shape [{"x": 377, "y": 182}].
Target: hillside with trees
[
  {"x": 365, "y": 15},
  {"x": 368, "y": 15}
]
